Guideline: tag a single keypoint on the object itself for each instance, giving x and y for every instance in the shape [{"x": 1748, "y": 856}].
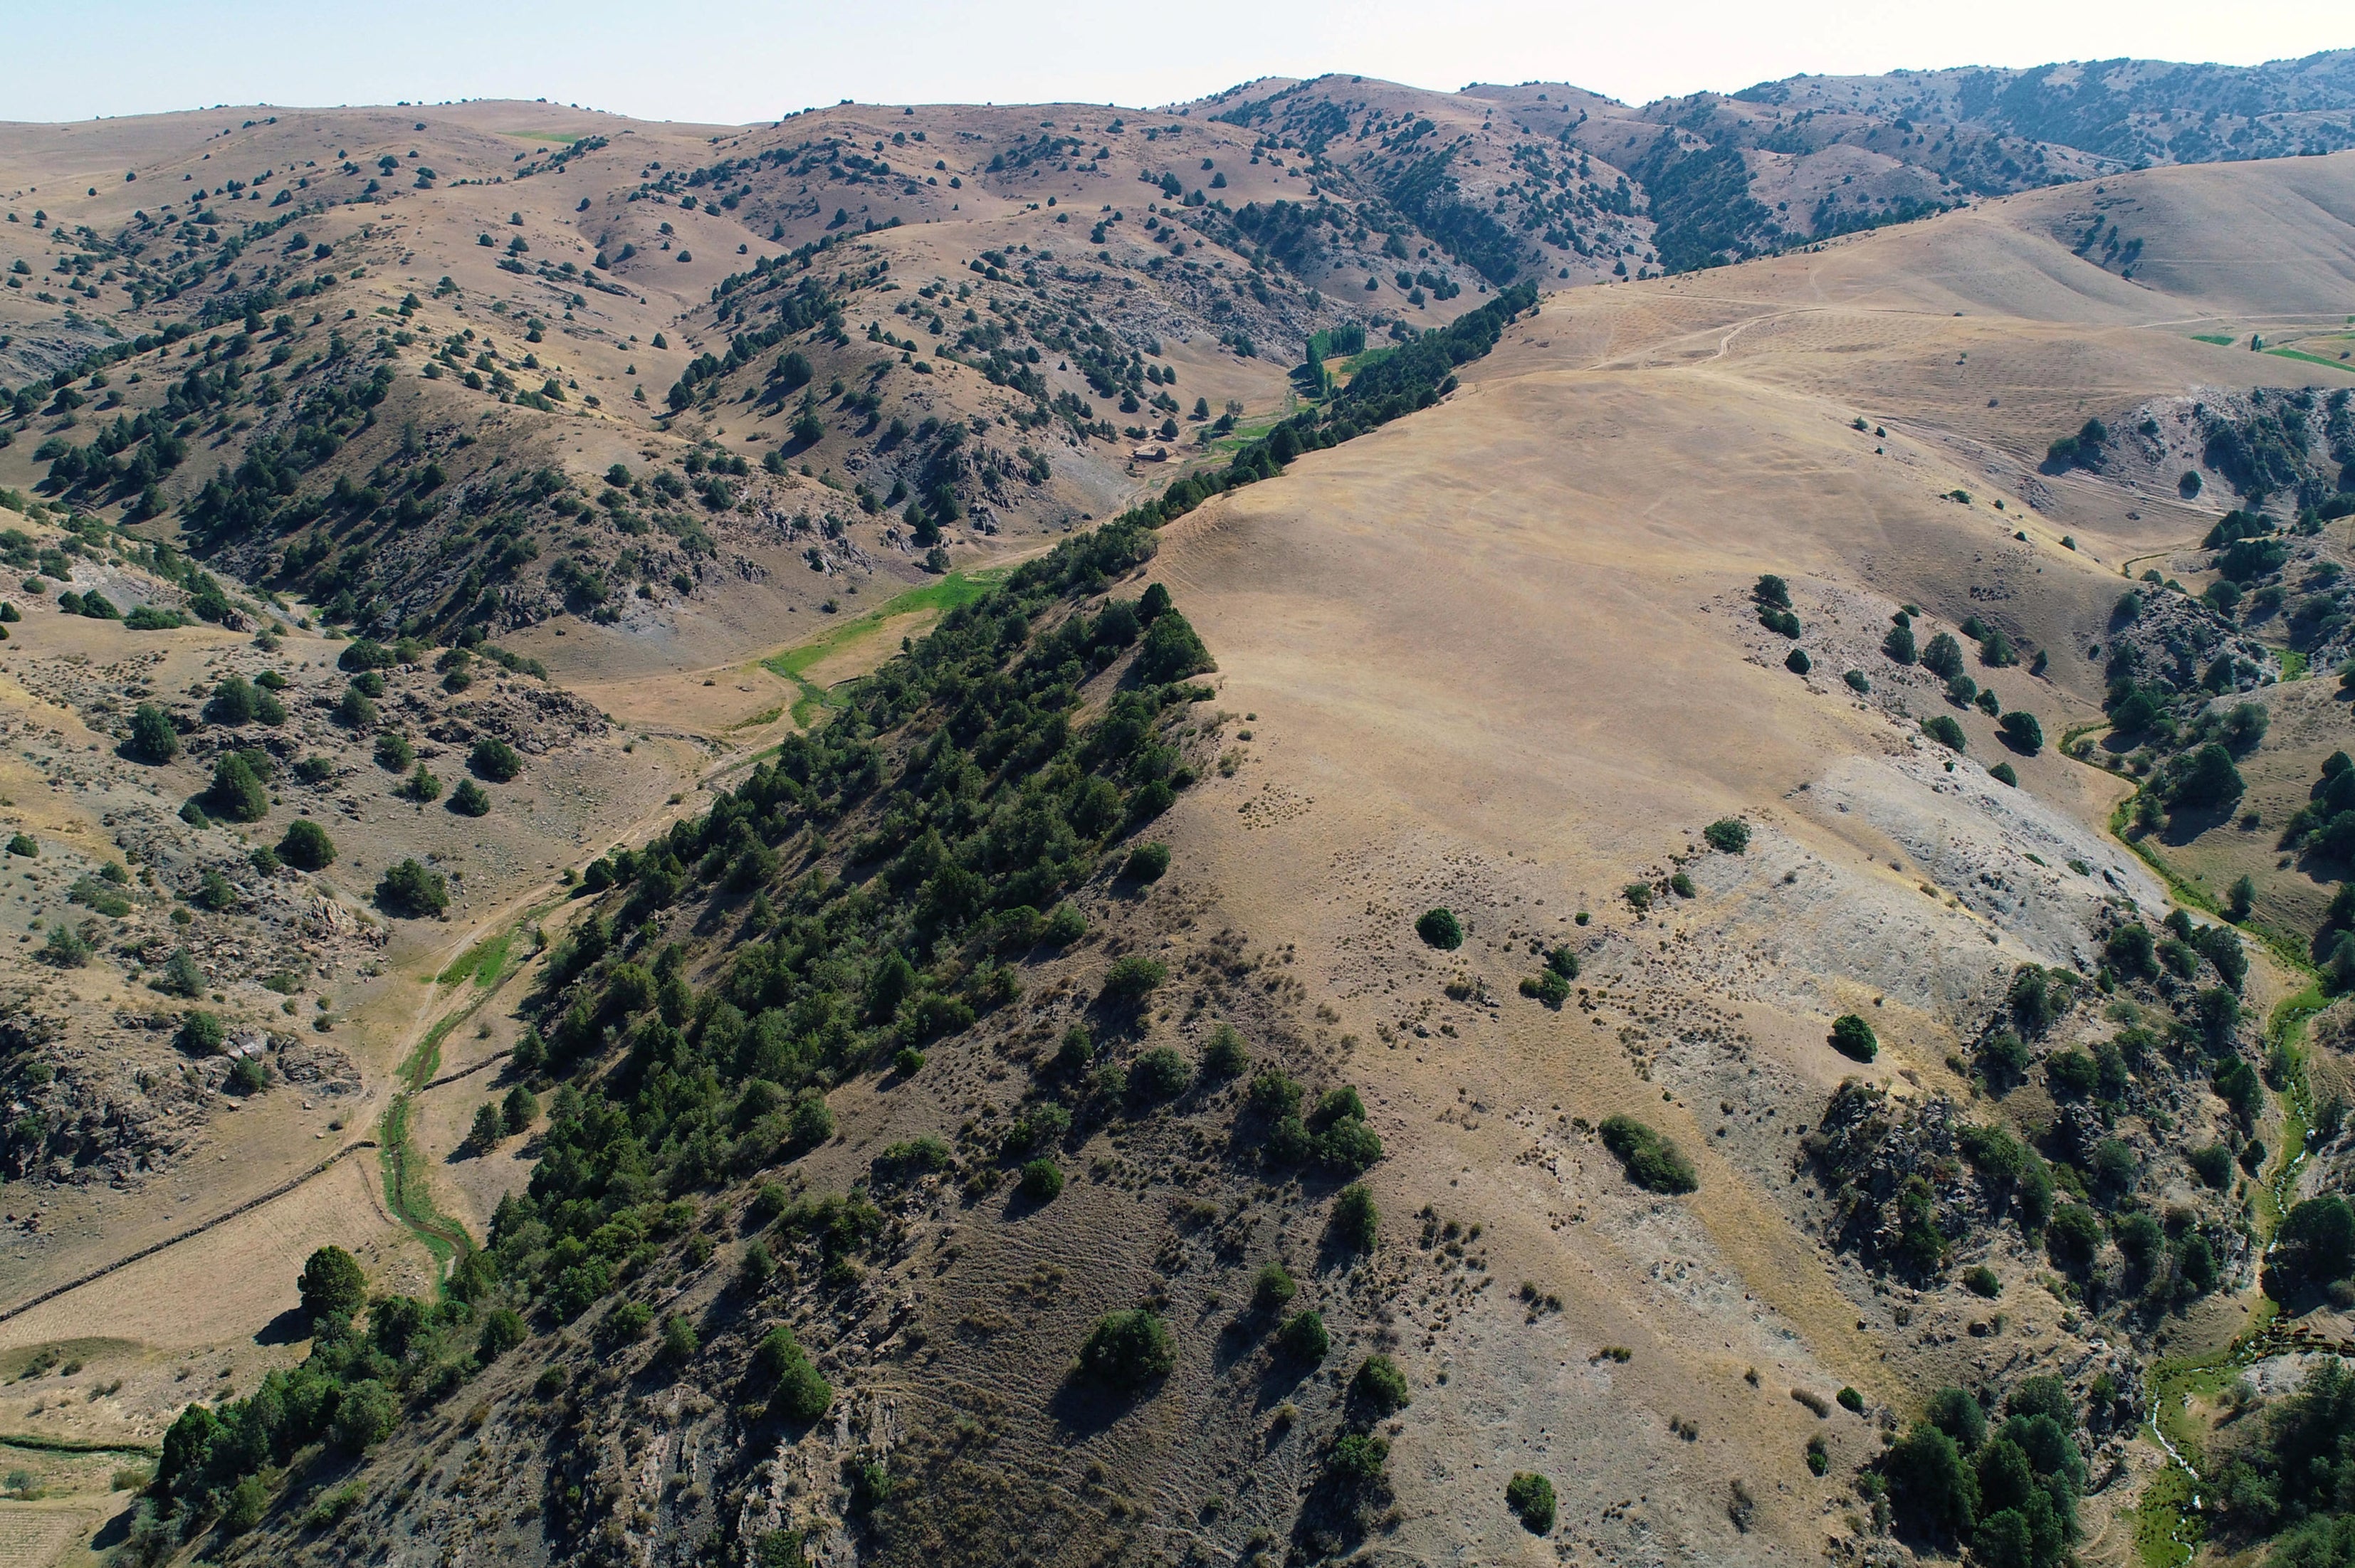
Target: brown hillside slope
[
  {"x": 1497, "y": 656},
  {"x": 1500, "y": 658}
]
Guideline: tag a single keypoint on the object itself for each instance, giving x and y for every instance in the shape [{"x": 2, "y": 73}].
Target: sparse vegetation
[
  {"x": 1127, "y": 1349},
  {"x": 1652, "y": 1161},
  {"x": 1530, "y": 1496}
]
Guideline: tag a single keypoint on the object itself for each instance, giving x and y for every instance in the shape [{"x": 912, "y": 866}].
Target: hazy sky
[{"x": 738, "y": 60}]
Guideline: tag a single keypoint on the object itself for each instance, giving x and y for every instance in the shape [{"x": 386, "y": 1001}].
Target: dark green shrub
[
  {"x": 1899, "y": 644},
  {"x": 1223, "y": 1056},
  {"x": 1273, "y": 1095},
  {"x": 1727, "y": 835},
  {"x": 365, "y": 1412},
  {"x": 1349, "y": 1145},
  {"x": 1530, "y": 1496},
  {"x": 1933, "y": 1488},
  {"x": 2073, "y": 1236},
  {"x": 237, "y": 793},
  {"x": 2213, "y": 1165},
  {"x": 362, "y": 654},
  {"x": 2021, "y": 731},
  {"x": 470, "y": 799},
  {"x": 422, "y": 786},
  {"x": 231, "y": 702},
  {"x": 1440, "y": 928},
  {"x": 1652, "y": 1161},
  {"x": 180, "y": 976},
  {"x": 1357, "y": 1462},
  {"x": 1850, "y": 1401},
  {"x": 2209, "y": 782},
  {"x": 1302, "y": 1338},
  {"x": 1147, "y": 862},
  {"x": 1853, "y": 1037},
  {"x": 1133, "y": 977},
  {"x": 1127, "y": 1349},
  {"x": 1773, "y": 591},
  {"x": 2236, "y": 1085},
  {"x": 2002, "y": 774},
  {"x": 1171, "y": 651},
  {"x": 1160, "y": 1073},
  {"x": 202, "y": 1034},
  {"x": 332, "y": 1284},
  {"x": 410, "y": 890},
  {"x": 1797, "y": 661},
  {"x": 1380, "y": 1387},
  {"x": 1958, "y": 1415},
  {"x": 800, "y": 1395},
  {"x": 1042, "y": 1180},
  {"x": 306, "y": 845},
  {"x": 1355, "y": 1221},
  {"x": 905, "y": 1161},
  {"x": 1981, "y": 1281},
  {"x": 64, "y": 949},
  {"x": 494, "y": 760},
  {"x": 1273, "y": 1288},
  {"x": 393, "y": 752},
  {"x": 1547, "y": 986},
  {"x": 679, "y": 1340},
  {"x": 153, "y": 737},
  {"x": 2314, "y": 1248},
  {"x": 1942, "y": 728}
]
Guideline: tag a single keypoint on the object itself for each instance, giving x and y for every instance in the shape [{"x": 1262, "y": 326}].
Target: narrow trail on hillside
[
  {"x": 439, "y": 1009},
  {"x": 247, "y": 1207}
]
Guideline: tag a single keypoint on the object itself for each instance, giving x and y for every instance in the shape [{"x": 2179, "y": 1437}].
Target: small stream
[{"x": 2287, "y": 1026}]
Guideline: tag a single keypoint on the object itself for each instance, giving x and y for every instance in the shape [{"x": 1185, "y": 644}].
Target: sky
[{"x": 735, "y": 61}]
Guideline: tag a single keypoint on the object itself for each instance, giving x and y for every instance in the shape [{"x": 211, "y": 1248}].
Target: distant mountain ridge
[{"x": 1548, "y": 177}]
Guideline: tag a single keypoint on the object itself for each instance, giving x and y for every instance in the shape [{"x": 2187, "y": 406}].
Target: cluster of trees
[
  {"x": 2010, "y": 1491},
  {"x": 2293, "y": 1480},
  {"x": 347, "y": 1392},
  {"x": 1004, "y": 803},
  {"x": 1387, "y": 385},
  {"x": 2326, "y": 823}
]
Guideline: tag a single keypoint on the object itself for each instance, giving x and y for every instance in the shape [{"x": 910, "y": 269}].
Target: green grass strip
[
  {"x": 408, "y": 1189},
  {"x": 2286, "y": 947},
  {"x": 2219, "y": 339},
  {"x": 2312, "y": 359},
  {"x": 40, "y": 1444},
  {"x": 952, "y": 590}
]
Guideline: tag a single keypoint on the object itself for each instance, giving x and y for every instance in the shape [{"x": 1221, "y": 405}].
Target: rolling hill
[{"x": 1680, "y": 889}]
